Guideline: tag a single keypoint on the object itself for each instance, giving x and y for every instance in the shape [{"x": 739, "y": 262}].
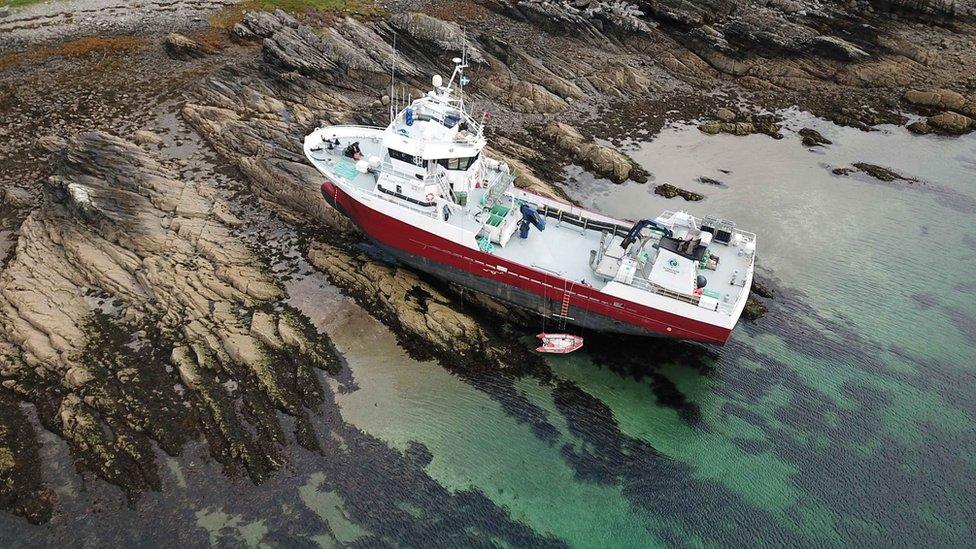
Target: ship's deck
[
  {"x": 332, "y": 161},
  {"x": 564, "y": 250},
  {"x": 561, "y": 249}
]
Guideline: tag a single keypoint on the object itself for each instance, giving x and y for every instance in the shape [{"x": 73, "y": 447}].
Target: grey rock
[
  {"x": 813, "y": 138},
  {"x": 881, "y": 173},
  {"x": 838, "y": 48},
  {"x": 263, "y": 24},
  {"x": 446, "y": 36},
  {"x": 145, "y": 137},
  {"x": 920, "y": 127},
  {"x": 596, "y": 21},
  {"x": 767, "y": 30},
  {"x": 951, "y": 123},
  {"x": 725, "y": 115},
  {"x": 937, "y": 7},
  {"x": 179, "y": 46}
]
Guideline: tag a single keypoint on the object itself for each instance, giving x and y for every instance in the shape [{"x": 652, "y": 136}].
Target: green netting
[
  {"x": 346, "y": 169},
  {"x": 485, "y": 244},
  {"x": 704, "y": 259}
]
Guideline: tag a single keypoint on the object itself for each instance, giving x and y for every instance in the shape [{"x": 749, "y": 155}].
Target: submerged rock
[
  {"x": 754, "y": 309},
  {"x": 741, "y": 124},
  {"x": 734, "y": 128},
  {"x": 668, "y": 190},
  {"x": 761, "y": 289},
  {"x": 812, "y": 138},
  {"x": 709, "y": 181},
  {"x": 919, "y": 127},
  {"x": 881, "y": 173},
  {"x": 878, "y": 172}
]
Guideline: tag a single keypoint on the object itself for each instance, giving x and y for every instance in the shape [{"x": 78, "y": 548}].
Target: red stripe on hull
[{"x": 397, "y": 234}]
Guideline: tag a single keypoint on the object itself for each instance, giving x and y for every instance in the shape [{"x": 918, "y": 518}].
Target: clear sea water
[{"x": 845, "y": 416}]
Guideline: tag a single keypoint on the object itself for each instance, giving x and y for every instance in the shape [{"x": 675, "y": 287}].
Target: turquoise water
[{"x": 845, "y": 416}]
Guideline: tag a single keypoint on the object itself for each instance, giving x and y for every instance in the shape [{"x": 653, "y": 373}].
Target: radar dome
[{"x": 437, "y": 81}]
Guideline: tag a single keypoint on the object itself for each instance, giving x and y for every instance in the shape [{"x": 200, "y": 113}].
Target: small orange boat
[{"x": 559, "y": 343}]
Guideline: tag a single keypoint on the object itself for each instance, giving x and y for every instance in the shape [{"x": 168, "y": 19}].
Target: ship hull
[{"x": 515, "y": 284}]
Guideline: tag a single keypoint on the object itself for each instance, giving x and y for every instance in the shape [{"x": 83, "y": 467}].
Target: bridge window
[
  {"x": 458, "y": 163},
  {"x": 408, "y": 158}
]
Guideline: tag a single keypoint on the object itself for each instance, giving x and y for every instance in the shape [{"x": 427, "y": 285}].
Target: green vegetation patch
[
  {"x": 301, "y": 6},
  {"x": 310, "y": 11},
  {"x": 17, "y": 3}
]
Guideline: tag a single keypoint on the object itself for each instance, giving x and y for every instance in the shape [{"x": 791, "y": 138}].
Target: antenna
[
  {"x": 392, "y": 80},
  {"x": 464, "y": 63}
]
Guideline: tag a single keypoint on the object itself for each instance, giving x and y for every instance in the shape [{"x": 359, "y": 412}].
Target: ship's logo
[{"x": 673, "y": 263}]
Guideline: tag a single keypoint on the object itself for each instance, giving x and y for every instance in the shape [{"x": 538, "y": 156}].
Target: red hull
[{"x": 398, "y": 235}]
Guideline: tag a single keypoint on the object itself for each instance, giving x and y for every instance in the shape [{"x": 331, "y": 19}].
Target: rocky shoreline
[{"x": 124, "y": 255}]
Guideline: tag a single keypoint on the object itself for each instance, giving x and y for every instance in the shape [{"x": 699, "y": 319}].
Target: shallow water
[{"x": 844, "y": 416}]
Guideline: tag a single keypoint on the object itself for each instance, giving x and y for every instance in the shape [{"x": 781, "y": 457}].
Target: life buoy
[{"x": 430, "y": 197}]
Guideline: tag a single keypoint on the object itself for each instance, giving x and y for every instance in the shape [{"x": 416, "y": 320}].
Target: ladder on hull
[{"x": 563, "y": 315}]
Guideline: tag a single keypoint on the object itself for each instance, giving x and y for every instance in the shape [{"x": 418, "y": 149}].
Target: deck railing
[{"x": 644, "y": 284}]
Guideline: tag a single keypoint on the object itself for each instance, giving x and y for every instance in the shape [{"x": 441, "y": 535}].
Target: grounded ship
[{"x": 424, "y": 192}]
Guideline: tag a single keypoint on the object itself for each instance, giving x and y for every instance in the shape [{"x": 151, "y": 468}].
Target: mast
[
  {"x": 464, "y": 63},
  {"x": 392, "y": 81}
]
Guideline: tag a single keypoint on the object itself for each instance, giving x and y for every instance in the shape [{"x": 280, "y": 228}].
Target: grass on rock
[
  {"x": 78, "y": 47},
  {"x": 18, "y": 3},
  {"x": 301, "y": 6},
  {"x": 231, "y": 15}
]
